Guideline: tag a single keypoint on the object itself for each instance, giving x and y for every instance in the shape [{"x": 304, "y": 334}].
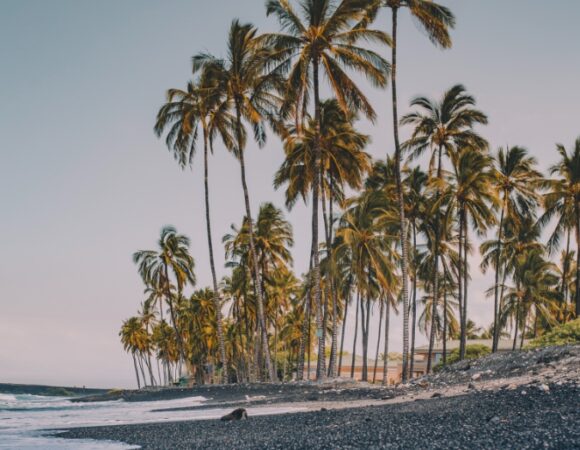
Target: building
[{"x": 393, "y": 369}]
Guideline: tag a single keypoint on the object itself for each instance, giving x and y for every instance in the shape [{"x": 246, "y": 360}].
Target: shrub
[
  {"x": 472, "y": 351},
  {"x": 568, "y": 333}
]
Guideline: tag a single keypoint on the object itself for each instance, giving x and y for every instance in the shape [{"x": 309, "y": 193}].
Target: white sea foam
[{"x": 24, "y": 419}]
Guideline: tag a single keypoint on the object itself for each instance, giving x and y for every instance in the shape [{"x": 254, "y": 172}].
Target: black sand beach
[
  {"x": 522, "y": 418},
  {"x": 520, "y": 400}
]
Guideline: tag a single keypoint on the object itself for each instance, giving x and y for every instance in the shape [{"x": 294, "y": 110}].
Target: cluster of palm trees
[{"x": 396, "y": 236}]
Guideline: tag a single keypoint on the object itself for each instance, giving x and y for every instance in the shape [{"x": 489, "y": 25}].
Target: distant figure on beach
[{"x": 236, "y": 414}]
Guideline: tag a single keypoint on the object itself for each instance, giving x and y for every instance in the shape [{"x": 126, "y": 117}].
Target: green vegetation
[
  {"x": 472, "y": 351},
  {"x": 387, "y": 236},
  {"x": 568, "y": 333}
]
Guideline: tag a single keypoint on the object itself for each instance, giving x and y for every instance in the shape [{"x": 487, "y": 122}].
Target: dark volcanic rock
[{"x": 503, "y": 419}]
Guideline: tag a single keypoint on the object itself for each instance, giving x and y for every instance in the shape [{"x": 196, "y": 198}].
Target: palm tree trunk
[
  {"x": 331, "y": 293},
  {"x": 150, "y": 370},
  {"x": 432, "y": 334},
  {"x": 178, "y": 337},
  {"x": 577, "y": 260},
  {"x": 496, "y": 287},
  {"x": 386, "y": 348},
  {"x": 523, "y": 334},
  {"x": 253, "y": 256},
  {"x": 216, "y": 299},
  {"x": 159, "y": 371},
  {"x": 140, "y": 363},
  {"x": 436, "y": 262},
  {"x": 460, "y": 278},
  {"x": 276, "y": 338},
  {"x": 517, "y": 324},
  {"x": 355, "y": 336},
  {"x": 136, "y": 371},
  {"x": 346, "y": 302},
  {"x": 402, "y": 223},
  {"x": 321, "y": 363},
  {"x": 444, "y": 337},
  {"x": 304, "y": 336},
  {"x": 378, "y": 342},
  {"x": 465, "y": 284},
  {"x": 565, "y": 270},
  {"x": 414, "y": 305},
  {"x": 364, "y": 339}
]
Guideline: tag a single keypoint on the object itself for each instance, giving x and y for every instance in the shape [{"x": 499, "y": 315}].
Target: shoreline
[
  {"x": 506, "y": 418},
  {"x": 516, "y": 400}
]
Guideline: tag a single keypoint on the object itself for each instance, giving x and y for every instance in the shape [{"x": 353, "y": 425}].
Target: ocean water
[{"x": 27, "y": 421}]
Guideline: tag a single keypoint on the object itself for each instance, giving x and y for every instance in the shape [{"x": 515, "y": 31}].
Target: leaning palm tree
[
  {"x": 324, "y": 38},
  {"x": 248, "y": 93},
  {"x": 200, "y": 106},
  {"x": 132, "y": 335},
  {"x": 170, "y": 260},
  {"x": 517, "y": 180},
  {"x": 562, "y": 201},
  {"x": 435, "y": 20}
]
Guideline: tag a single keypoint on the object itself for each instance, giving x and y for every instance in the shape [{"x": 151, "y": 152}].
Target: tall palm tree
[
  {"x": 249, "y": 96},
  {"x": 435, "y": 20},
  {"x": 562, "y": 201},
  {"x": 362, "y": 231},
  {"x": 471, "y": 196},
  {"x": 517, "y": 180},
  {"x": 170, "y": 260},
  {"x": 415, "y": 183},
  {"x": 185, "y": 111},
  {"x": 344, "y": 164},
  {"x": 443, "y": 127},
  {"x": 324, "y": 38}
]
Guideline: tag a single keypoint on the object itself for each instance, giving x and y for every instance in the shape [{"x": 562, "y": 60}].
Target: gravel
[
  {"x": 503, "y": 419},
  {"x": 516, "y": 400}
]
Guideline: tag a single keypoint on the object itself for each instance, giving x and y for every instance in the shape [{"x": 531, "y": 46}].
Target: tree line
[{"x": 396, "y": 233}]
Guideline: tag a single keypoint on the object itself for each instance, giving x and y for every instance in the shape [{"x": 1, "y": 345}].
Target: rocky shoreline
[{"x": 520, "y": 400}]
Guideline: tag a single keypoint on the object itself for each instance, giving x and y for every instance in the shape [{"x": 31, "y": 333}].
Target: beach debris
[
  {"x": 437, "y": 394},
  {"x": 236, "y": 414},
  {"x": 544, "y": 387}
]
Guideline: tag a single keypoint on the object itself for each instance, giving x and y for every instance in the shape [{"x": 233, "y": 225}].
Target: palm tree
[
  {"x": 362, "y": 231},
  {"x": 170, "y": 260},
  {"x": 435, "y": 21},
  {"x": 248, "y": 95},
  {"x": 200, "y": 106},
  {"x": 415, "y": 208},
  {"x": 344, "y": 165},
  {"x": 443, "y": 127},
  {"x": 132, "y": 336},
  {"x": 563, "y": 202},
  {"x": 535, "y": 289},
  {"x": 324, "y": 38},
  {"x": 517, "y": 181},
  {"x": 470, "y": 195}
]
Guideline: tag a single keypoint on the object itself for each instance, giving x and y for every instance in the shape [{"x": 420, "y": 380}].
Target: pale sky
[{"x": 84, "y": 182}]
